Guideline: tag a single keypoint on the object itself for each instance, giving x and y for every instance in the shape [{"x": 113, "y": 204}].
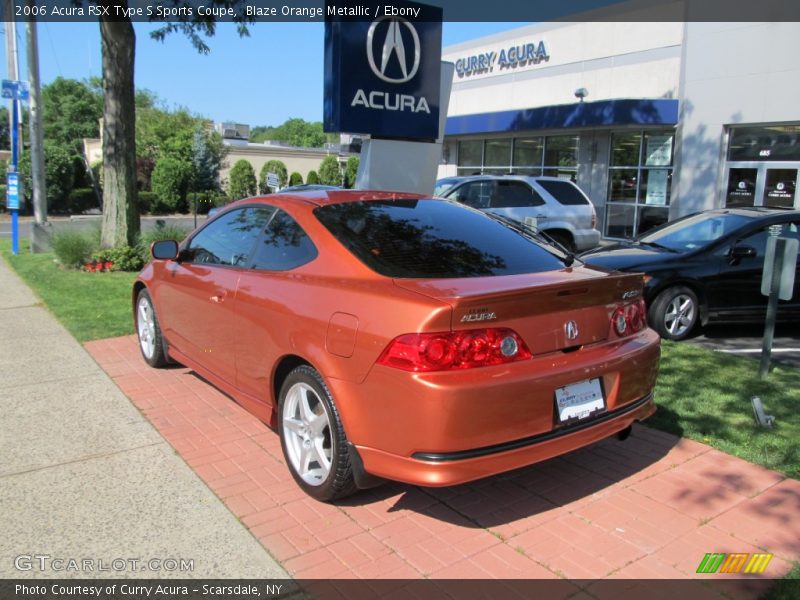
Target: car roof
[
  {"x": 512, "y": 177},
  {"x": 326, "y": 197},
  {"x": 753, "y": 212}
]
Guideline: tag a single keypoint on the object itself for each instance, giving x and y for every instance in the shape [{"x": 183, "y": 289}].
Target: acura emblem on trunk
[{"x": 571, "y": 329}]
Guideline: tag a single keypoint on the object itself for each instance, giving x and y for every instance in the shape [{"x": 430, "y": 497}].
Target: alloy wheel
[{"x": 307, "y": 431}]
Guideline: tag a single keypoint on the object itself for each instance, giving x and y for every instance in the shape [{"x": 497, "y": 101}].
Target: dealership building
[{"x": 654, "y": 120}]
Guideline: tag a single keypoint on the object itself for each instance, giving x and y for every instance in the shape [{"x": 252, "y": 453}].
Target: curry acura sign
[
  {"x": 520, "y": 55},
  {"x": 382, "y": 75}
]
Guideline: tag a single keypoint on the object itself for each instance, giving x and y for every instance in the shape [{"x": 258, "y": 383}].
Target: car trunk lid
[{"x": 551, "y": 311}]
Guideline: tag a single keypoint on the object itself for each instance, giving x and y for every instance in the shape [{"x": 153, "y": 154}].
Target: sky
[{"x": 274, "y": 75}]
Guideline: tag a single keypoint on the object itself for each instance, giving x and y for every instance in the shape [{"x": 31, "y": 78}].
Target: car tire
[
  {"x": 312, "y": 437},
  {"x": 674, "y": 314},
  {"x": 151, "y": 342},
  {"x": 564, "y": 239}
]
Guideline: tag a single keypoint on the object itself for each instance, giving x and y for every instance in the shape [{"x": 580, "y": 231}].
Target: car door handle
[
  {"x": 219, "y": 298},
  {"x": 541, "y": 216}
]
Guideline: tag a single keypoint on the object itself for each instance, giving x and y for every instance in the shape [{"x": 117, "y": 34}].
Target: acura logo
[
  {"x": 393, "y": 46},
  {"x": 571, "y": 329}
]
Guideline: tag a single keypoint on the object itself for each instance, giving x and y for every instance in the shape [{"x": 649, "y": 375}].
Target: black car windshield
[
  {"x": 434, "y": 239},
  {"x": 694, "y": 232}
]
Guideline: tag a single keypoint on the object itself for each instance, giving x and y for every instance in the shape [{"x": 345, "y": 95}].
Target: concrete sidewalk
[{"x": 85, "y": 477}]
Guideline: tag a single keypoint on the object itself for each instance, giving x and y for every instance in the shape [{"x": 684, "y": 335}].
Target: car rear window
[
  {"x": 432, "y": 239},
  {"x": 564, "y": 192}
]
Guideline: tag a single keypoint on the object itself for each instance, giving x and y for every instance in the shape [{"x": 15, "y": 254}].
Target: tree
[
  {"x": 120, "y": 207},
  {"x": 295, "y": 132},
  {"x": 118, "y": 42},
  {"x": 312, "y": 178},
  {"x": 272, "y": 166},
  {"x": 72, "y": 111},
  {"x": 350, "y": 172},
  {"x": 295, "y": 178},
  {"x": 206, "y": 160},
  {"x": 329, "y": 173},
  {"x": 242, "y": 180},
  {"x": 5, "y": 132}
]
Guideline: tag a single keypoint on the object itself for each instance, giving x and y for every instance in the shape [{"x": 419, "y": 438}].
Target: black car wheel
[
  {"x": 312, "y": 437},
  {"x": 674, "y": 313}
]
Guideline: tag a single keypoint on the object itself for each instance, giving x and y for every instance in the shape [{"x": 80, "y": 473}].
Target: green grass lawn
[
  {"x": 701, "y": 394},
  {"x": 90, "y": 305},
  {"x": 705, "y": 395}
]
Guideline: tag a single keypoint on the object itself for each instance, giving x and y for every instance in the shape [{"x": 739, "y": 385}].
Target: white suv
[{"x": 554, "y": 206}]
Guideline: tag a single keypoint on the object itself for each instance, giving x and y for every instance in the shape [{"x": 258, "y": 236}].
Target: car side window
[
  {"x": 475, "y": 194},
  {"x": 284, "y": 245},
  {"x": 229, "y": 239},
  {"x": 758, "y": 239},
  {"x": 515, "y": 194}
]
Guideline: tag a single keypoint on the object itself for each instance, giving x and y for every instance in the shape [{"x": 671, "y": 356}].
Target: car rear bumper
[
  {"x": 443, "y": 469},
  {"x": 585, "y": 239},
  {"x": 449, "y": 427}
]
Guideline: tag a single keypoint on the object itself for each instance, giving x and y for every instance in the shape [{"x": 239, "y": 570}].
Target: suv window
[
  {"x": 475, "y": 194},
  {"x": 514, "y": 194},
  {"x": 432, "y": 239},
  {"x": 565, "y": 192},
  {"x": 229, "y": 239},
  {"x": 284, "y": 246}
]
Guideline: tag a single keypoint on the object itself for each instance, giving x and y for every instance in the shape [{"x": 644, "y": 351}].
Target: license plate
[{"x": 579, "y": 400}]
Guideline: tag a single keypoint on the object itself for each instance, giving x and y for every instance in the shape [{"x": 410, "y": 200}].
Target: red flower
[{"x": 108, "y": 265}]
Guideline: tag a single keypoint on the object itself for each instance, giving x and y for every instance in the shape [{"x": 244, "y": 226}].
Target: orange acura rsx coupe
[{"x": 394, "y": 336}]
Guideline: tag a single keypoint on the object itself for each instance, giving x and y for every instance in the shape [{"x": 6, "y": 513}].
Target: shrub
[
  {"x": 329, "y": 171},
  {"x": 295, "y": 178},
  {"x": 81, "y": 200},
  {"x": 59, "y": 175},
  {"x": 146, "y": 201},
  {"x": 170, "y": 181},
  {"x": 242, "y": 180},
  {"x": 74, "y": 248},
  {"x": 350, "y": 172},
  {"x": 272, "y": 166},
  {"x": 207, "y": 200},
  {"x": 160, "y": 232},
  {"x": 124, "y": 258},
  {"x": 312, "y": 178}
]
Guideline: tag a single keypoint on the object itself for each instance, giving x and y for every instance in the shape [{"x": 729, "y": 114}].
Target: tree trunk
[{"x": 120, "y": 210}]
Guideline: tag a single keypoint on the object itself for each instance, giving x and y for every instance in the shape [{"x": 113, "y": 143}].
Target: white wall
[
  {"x": 733, "y": 73},
  {"x": 610, "y": 60}
]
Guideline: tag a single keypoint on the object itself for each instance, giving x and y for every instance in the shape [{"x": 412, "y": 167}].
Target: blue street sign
[
  {"x": 12, "y": 191},
  {"x": 16, "y": 90}
]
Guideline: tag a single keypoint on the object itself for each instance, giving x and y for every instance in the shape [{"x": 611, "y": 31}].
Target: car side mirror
[
  {"x": 740, "y": 252},
  {"x": 164, "y": 249}
]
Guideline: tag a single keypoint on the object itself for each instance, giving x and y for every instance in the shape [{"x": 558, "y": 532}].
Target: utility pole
[
  {"x": 39, "y": 235},
  {"x": 13, "y": 184}
]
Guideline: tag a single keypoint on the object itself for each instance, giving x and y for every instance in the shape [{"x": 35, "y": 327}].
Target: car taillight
[
  {"x": 629, "y": 318},
  {"x": 421, "y": 352}
]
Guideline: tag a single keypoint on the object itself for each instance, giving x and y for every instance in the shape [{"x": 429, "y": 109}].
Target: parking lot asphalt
[
  {"x": 650, "y": 507},
  {"x": 746, "y": 340},
  {"x": 85, "y": 477}
]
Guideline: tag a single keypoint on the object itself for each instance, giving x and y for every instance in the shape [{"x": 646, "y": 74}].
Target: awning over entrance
[{"x": 602, "y": 113}]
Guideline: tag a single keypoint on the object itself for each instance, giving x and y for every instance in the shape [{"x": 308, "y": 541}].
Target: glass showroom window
[
  {"x": 497, "y": 157},
  {"x": 470, "y": 157},
  {"x": 561, "y": 156},
  {"x": 639, "y": 182},
  {"x": 528, "y": 156}
]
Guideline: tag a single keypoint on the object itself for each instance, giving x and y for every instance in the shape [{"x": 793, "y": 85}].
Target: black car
[{"x": 705, "y": 267}]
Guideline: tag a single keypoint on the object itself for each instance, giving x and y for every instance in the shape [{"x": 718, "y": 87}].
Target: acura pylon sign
[{"x": 382, "y": 71}]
